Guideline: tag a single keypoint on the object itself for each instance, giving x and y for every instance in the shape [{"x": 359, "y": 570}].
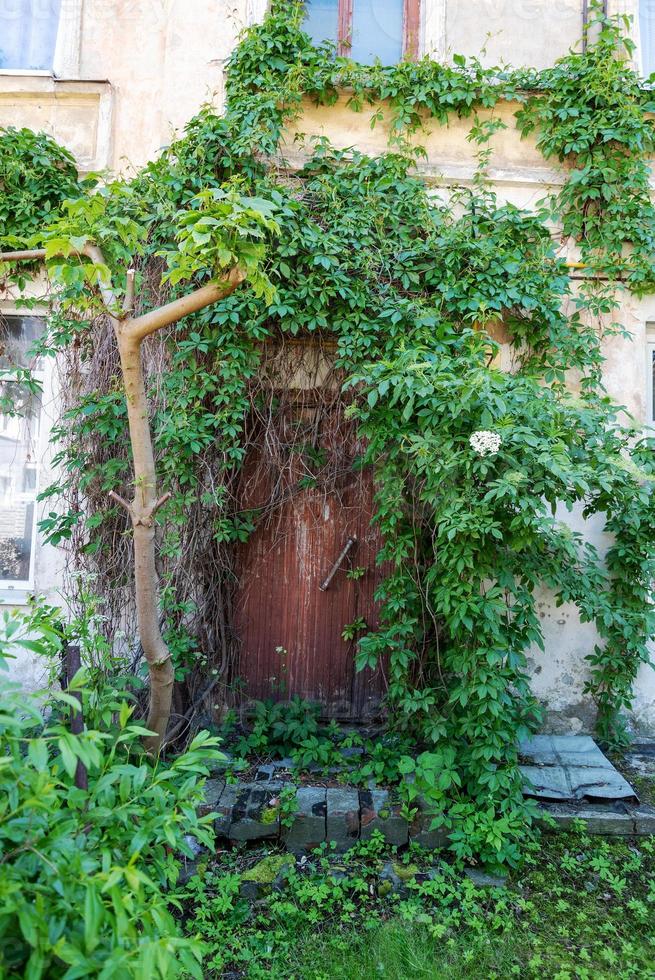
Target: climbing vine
[{"x": 405, "y": 294}]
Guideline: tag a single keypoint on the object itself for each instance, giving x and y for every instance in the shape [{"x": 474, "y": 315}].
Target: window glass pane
[
  {"x": 321, "y": 20},
  {"x": 28, "y": 33},
  {"x": 19, "y": 442},
  {"x": 377, "y": 31},
  {"x": 647, "y": 35}
]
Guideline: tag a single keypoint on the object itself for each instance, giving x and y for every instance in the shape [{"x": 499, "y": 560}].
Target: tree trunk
[
  {"x": 142, "y": 511},
  {"x": 130, "y": 333}
]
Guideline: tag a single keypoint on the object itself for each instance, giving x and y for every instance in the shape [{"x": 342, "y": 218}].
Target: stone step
[{"x": 568, "y": 775}]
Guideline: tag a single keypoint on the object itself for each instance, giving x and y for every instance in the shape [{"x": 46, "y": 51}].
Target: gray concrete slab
[
  {"x": 546, "y": 782},
  {"x": 598, "y": 783},
  {"x": 570, "y": 767}
]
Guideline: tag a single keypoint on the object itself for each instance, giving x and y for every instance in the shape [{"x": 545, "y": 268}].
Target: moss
[
  {"x": 405, "y": 871},
  {"x": 270, "y": 814},
  {"x": 266, "y": 871}
]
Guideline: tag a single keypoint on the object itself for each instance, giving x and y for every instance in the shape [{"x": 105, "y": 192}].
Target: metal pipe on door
[{"x": 335, "y": 568}]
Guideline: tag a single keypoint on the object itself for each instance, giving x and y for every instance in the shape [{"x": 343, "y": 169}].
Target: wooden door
[{"x": 289, "y": 628}]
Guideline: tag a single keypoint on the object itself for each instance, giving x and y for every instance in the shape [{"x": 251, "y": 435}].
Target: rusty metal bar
[{"x": 335, "y": 568}]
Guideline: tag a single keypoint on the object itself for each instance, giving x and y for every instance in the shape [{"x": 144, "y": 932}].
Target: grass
[{"x": 582, "y": 908}]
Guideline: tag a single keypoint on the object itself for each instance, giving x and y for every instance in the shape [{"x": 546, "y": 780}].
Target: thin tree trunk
[
  {"x": 130, "y": 333},
  {"x": 142, "y": 511}
]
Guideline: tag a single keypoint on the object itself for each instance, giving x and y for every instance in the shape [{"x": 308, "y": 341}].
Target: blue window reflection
[
  {"x": 377, "y": 31},
  {"x": 28, "y": 33},
  {"x": 321, "y": 20}
]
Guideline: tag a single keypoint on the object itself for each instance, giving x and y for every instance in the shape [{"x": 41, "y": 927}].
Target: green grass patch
[{"x": 580, "y": 908}]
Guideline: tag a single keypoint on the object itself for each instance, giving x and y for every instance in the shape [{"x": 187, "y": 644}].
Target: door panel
[{"x": 289, "y": 630}]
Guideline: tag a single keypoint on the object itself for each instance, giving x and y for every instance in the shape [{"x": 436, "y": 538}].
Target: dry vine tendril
[{"x": 402, "y": 290}]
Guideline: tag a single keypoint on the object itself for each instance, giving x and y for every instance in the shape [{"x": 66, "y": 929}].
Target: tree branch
[
  {"x": 150, "y": 322},
  {"x": 94, "y": 253},
  {"x": 24, "y": 256},
  {"x": 121, "y": 500},
  {"x": 90, "y": 251},
  {"x": 128, "y": 301}
]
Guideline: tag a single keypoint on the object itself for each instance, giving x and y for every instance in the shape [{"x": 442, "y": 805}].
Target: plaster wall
[{"x": 132, "y": 72}]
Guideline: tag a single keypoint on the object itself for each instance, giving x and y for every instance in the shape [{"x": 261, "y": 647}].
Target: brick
[
  {"x": 608, "y": 822},
  {"x": 224, "y": 809},
  {"x": 213, "y": 790},
  {"x": 562, "y": 813},
  {"x": 309, "y": 826},
  {"x": 421, "y": 832},
  {"x": 644, "y": 817},
  {"x": 342, "y": 817},
  {"x": 254, "y": 814},
  {"x": 378, "y": 812}
]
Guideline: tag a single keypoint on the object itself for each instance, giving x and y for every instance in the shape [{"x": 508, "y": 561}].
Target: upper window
[
  {"x": 19, "y": 453},
  {"x": 28, "y": 34},
  {"x": 647, "y": 35},
  {"x": 366, "y": 30}
]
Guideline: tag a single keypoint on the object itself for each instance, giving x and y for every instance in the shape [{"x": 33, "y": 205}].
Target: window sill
[
  {"x": 19, "y": 596},
  {"x": 41, "y": 72},
  {"x": 77, "y": 112}
]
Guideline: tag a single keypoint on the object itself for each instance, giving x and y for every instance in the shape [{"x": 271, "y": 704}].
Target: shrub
[{"x": 85, "y": 874}]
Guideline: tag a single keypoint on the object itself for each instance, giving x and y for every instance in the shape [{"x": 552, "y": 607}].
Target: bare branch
[
  {"x": 128, "y": 301},
  {"x": 24, "y": 256},
  {"x": 121, "y": 500},
  {"x": 160, "y": 503},
  {"x": 150, "y": 322},
  {"x": 94, "y": 253}
]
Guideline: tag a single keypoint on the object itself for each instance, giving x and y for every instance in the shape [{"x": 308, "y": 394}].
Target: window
[
  {"x": 366, "y": 30},
  {"x": 19, "y": 449},
  {"x": 28, "y": 34},
  {"x": 647, "y": 35},
  {"x": 650, "y": 375}
]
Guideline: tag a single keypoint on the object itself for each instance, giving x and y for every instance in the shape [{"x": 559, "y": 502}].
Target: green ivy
[
  {"x": 470, "y": 462},
  {"x": 36, "y": 175}
]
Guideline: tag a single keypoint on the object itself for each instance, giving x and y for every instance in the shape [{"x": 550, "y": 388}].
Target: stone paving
[{"x": 568, "y": 775}]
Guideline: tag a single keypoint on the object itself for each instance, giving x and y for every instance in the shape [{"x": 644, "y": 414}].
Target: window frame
[
  {"x": 14, "y": 591},
  {"x": 68, "y": 47},
  {"x": 649, "y": 413},
  {"x": 644, "y": 54},
  {"x": 411, "y": 28}
]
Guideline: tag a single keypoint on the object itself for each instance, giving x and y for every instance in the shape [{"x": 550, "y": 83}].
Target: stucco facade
[{"x": 128, "y": 73}]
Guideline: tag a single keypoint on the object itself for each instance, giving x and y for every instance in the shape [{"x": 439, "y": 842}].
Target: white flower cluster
[{"x": 485, "y": 443}]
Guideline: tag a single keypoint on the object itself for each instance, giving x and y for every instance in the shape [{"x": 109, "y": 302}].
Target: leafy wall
[{"x": 469, "y": 462}]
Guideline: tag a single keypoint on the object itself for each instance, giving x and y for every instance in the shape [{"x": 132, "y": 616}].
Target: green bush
[
  {"x": 86, "y": 875},
  {"x": 36, "y": 176}
]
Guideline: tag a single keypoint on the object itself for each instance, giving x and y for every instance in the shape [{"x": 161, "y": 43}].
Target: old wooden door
[{"x": 289, "y": 629}]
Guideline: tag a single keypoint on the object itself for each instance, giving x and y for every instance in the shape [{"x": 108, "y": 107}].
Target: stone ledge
[{"x": 250, "y": 811}]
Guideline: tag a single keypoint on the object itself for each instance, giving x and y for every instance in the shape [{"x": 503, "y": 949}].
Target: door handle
[{"x": 335, "y": 568}]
